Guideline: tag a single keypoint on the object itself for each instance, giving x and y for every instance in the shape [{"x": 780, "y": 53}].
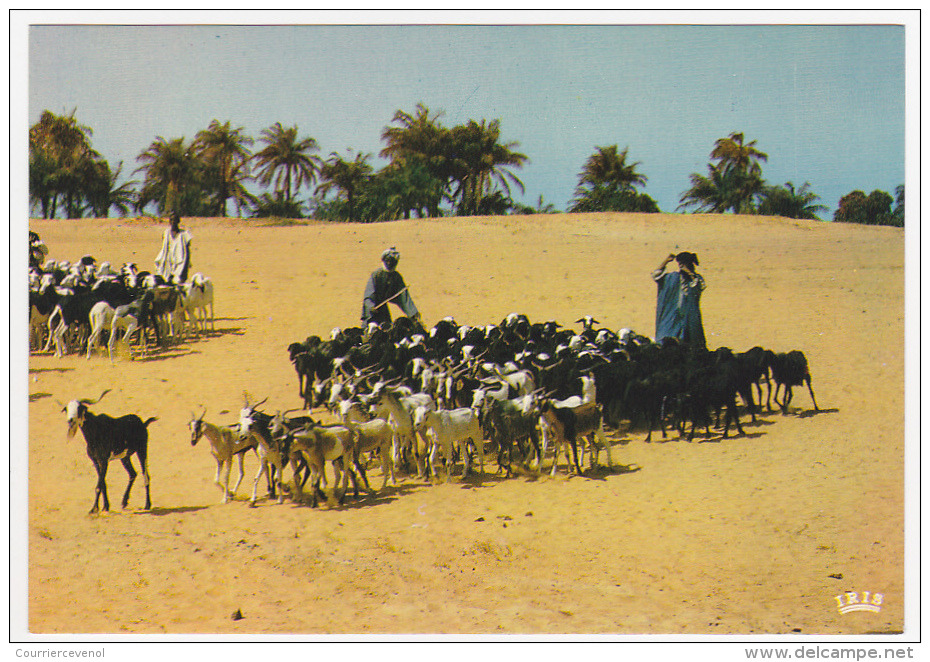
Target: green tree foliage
[
  {"x": 174, "y": 177},
  {"x": 790, "y": 203},
  {"x": 63, "y": 167},
  {"x": 608, "y": 183},
  {"x": 103, "y": 193},
  {"x": 225, "y": 155},
  {"x": 346, "y": 177},
  {"x": 542, "y": 207},
  {"x": 872, "y": 209},
  {"x": 286, "y": 160},
  {"x": 420, "y": 142},
  {"x": 603, "y": 197},
  {"x": 898, "y": 212},
  {"x": 479, "y": 162},
  {"x": 275, "y": 206},
  {"x": 733, "y": 181}
]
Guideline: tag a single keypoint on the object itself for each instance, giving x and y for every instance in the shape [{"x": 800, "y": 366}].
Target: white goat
[
  {"x": 449, "y": 429},
  {"x": 196, "y": 296},
  {"x": 224, "y": 444},
  {"x": 101, "y": 318},
  {"x": 376, "y": 434}
]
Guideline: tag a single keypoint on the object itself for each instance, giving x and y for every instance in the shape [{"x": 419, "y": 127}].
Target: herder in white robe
[{"x": 174, "y": 259}]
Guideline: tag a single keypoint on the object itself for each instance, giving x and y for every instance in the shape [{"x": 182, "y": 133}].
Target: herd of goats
[
  {"x": 415, "y": 399},
  {"x": 422, "y": 400}
]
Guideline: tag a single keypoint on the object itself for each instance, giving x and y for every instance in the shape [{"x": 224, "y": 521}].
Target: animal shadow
[
  {"x": 814, "y": 412},
  {"x": 160, "y": 512}
]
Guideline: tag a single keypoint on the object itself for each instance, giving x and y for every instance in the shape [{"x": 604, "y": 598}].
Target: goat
[
  {"x": 101, "y": 319},
  {"x": 322, "y": 443},
  {"x": 791, "y": 369},
  {"x": 111, "y": 439},
  {"x": 224, "y": 444},
  {"x": 451, "y": 428},
  {"x": 564, "y": 426},
  {"x": 196, "y": 296},
  {"x": 711, "y": 387},
  {"x": 132, "y": 316},
  {"x": 272, "y": 455},
  {"x": 375, "y": 435},
  {"x": 398, "y": 411},
  {"x": 509, "y": 423}
]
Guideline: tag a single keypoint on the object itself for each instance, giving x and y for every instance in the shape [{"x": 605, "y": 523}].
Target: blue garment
[{"x": 678, "y": 311}]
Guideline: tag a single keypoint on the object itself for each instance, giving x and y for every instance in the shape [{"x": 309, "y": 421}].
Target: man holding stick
[{"x": 386, "y": 285}]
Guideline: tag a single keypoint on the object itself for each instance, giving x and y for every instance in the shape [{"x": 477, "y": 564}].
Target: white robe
[{"x": 174, "y": 259}]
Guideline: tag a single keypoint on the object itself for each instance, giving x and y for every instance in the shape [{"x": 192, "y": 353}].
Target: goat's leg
[
  {"x": 127, "y": 464},
  {"x": 279, "y": 478},
  {"x": 813, "y": 399},
  {"x": 786, "y": 398},
  {"x": 556, "y": 448},
  {"x": 360, "y": 468},
  {"x": 144, "y": 470},
  {"x": 262, "y": 468},
  {"x": 241, "y": 457},
  {"x": 101, "y": 489},
  {"x": 223, "y": 467}
]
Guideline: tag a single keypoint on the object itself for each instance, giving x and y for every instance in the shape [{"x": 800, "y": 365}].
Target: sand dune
[{"x": 749, "y": 535}]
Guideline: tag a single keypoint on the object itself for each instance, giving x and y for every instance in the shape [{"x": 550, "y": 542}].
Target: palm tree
[
  {"x": 420, "y": 138},
  {"x": 225, "y": 150},
  {"x": 173, "y": 173},
  {"x": 479, "y": 161},
  {"x": 732, "y": 183},
  {"x": 608, "y": 183},
  {"x": 607, "y": 166},
  {"x": 286, "y": 160},
  {"x": 732, "y": 152},
  {"x": 104, "y": 194},
  {"x": 720, "y": 191},
  {"x": 346, "y": 176},
  {"x": 59, "y": 151},
  {"x": 790, "y": 203}
]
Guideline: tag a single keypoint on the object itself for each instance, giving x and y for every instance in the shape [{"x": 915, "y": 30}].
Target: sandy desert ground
[{"x": 746, "y": 535}]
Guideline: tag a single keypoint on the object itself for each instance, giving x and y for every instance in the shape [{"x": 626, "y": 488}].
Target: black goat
[
  {"x": 509, "y": 427},
  {"x": 791, "y": 369},
  {"x": 111, "y": 439},
  {"x": 711, "y": 387}
]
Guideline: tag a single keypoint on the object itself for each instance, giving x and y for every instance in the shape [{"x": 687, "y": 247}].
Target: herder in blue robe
[
  {"x": 678, "y": 310},
  {"x": 386, "y": 285}
]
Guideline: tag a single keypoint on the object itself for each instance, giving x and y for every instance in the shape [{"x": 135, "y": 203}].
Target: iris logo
[{"x": 849, "y": 602}]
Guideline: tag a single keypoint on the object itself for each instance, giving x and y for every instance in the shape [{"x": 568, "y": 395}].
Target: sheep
[
  {"x": 451, "y": 428},
  {"x": 111, "y": 439},
  {"x": 224, "y": 444},
  {"x": 791, "y": 369}
]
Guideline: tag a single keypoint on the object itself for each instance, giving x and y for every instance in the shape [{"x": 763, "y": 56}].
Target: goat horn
[{"x": 93, "y": 402}]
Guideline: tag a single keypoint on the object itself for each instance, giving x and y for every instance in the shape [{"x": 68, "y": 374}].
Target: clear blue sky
[{"x": 825, "y": 102}]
